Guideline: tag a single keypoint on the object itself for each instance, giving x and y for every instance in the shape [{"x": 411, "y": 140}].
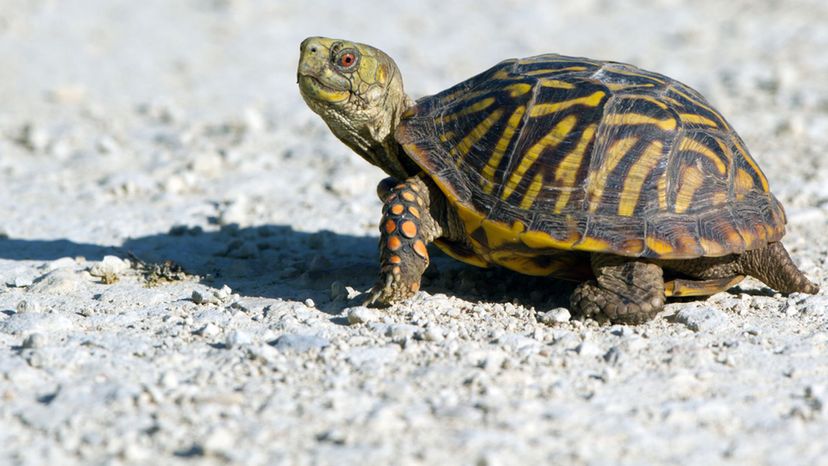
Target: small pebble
[
  {"x": 701, "y": 319},
  {"x": 62, "y": 263},
  {"x": 224, "y": 293},
  {"x": 309, "y": 302},
  {"x": 60, "y": 281},
  {"x": 27, "y": 306},
  {"x": 109, "y": 266},
  {"x": 588, "y": 349},
  {"x": 169, "y": 380},
  {"x": 431, "y": 333},
  {"x": 34, "y": 341},
  {"x": 612, "y": 355},
  {"x": 300, "y": 343},
  {"x": 555, "y": 316},
  {"x": 338, "y": 291},
  {"x": 209, "y": 330},
  {"x": 401, "y": 332},
  {"x": 205, "y": 298},
  {"x": 237, "y": 338},
  {"x": 361, "y": 315},
  {"x": 219, "y": 441}
]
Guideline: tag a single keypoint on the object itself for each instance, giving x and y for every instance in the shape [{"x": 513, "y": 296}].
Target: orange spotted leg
[{"x": 405, "y": 229}]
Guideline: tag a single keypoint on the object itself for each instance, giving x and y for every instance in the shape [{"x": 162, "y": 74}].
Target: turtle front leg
[
  {"x": 625, "y": 290},
  {"x": 405, "y": 229}
]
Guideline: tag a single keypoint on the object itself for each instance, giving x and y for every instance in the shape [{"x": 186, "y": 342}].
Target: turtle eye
[{"x": 347, "y": 59}]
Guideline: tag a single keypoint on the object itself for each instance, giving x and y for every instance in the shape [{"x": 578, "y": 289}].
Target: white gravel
[{"x": 132, "y": 133}]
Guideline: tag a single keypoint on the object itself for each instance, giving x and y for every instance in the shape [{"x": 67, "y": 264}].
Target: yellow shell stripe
[
  {"x": 473, "y": 108},
  {"x": 554, "y": 58},
  {"x": 695, "y": 102},
  {"x": 743, "y": 183},
  {"x": 634, "y": 180},
  {"x": 624, "y": 86},
  {"x": 555, "y": 70},
  {"x": 635, "y": 119},
  {"x": 662, "y": 191},
  {"x": 567, "y": 170},
  {"x": 614, "y": 154},
  {"x": 518, "y": 89},
  {"x": 465, "y": 145},
  {"x": 636, "y": 74},
  {"x": 688, "y": 144},
  {"x": 695, "y": 118},
  {"x": 646, "y": 98},
  {"x": 591, "y": 100},
  {"x": 556, "y": 84},
  {"x": 744, "y": 153},
  {"x": 551, "y": 139},
  {"x": 500, "y": 149},
  {"x": 691, "y": 179},
  {"x": 532, "y": 191}
]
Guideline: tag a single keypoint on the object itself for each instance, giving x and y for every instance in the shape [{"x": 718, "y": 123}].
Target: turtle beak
[
  {"x": 315, "y": 76},
  {"x": 313, "y": 57}
]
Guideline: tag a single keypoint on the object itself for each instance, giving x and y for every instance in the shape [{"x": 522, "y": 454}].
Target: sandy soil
[{"x": 134, "y": 133}]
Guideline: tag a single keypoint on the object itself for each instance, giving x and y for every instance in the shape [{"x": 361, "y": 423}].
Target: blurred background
[
  {"x": 122, "y": 119},
  {"x": 79, "y": 79},
  {"x": 174, "y": 129}
]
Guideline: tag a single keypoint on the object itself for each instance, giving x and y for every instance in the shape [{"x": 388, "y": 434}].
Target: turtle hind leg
[
  {"x": 624, "y": 290},
  {"x": 774, "y": 266}
]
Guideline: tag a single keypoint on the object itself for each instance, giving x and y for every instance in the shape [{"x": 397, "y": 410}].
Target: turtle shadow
[
  {"x": 276, "y": 261},
  {"x": 269, "y": 261}
]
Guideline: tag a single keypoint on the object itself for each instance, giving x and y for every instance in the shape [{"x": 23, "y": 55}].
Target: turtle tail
[{"x": 774, "y": 266}]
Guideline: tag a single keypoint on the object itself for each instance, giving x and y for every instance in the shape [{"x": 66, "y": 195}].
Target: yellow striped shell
[{"x": 551, "y": 153}]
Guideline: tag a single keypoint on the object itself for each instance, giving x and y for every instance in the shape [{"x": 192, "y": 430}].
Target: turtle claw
[
  {"x": 379, "y": 293},
  {"x": 391, "y": 289}
]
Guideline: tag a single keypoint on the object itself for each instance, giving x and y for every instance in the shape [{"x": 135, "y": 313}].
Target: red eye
[{"x": 347, "y": 60}]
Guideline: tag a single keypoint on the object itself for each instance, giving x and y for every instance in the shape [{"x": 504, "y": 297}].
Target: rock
[
  {"x": 33, "y": 138},
  {"x": 361, "y": 315},
  {"x": 212, "y": 296},
  {"x": 169, "y": 380},
  {"x": 517, "y": 342},
  {"x": 815, "y": 305},
  {"x": 431, "y": 333},
  {"x": 224, "y": 294},
  {"x": 566, "y": 339},
  {"x": 110, "y": 266},
  {"x": 613, "y": 355},
  {"x": 588, "y": 349},
  {"x": 701, "y": 319},
  {"x": 300, "y": 343},
  {"x": 27, "y": 305},
  {"x": 237, "y": 338},
  {"x": 21, "y": 281},
  {"x": 63, "y": 263},
  {"x": 372, "y": 355},
  {"x": 401, "y": 332},
  {"x": 219, "y": 441},
  {"x": 338, "y": 291},
  {"x": 208, "y": 330},
  {"x": 60, "y": 281},
  {"x": 34, "y": 341},
  {"x": 555, "y": 316},
  {"x": 35, "y": 322}
]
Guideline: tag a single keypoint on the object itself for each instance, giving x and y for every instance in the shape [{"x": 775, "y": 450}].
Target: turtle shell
[{"x": 555, "y": 153}]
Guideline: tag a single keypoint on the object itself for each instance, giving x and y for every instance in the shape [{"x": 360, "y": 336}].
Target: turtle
[{"x": 621, "y": 179}]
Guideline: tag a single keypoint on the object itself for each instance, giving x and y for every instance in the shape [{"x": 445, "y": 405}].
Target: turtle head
[{"x": 358, "y": 91}]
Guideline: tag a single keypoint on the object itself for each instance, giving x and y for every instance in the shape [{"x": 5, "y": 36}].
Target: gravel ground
[{"x": 184, "y": 247}]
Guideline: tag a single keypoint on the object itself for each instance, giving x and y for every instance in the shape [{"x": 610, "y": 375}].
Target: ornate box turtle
[{"x": 622, "y": 179}]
